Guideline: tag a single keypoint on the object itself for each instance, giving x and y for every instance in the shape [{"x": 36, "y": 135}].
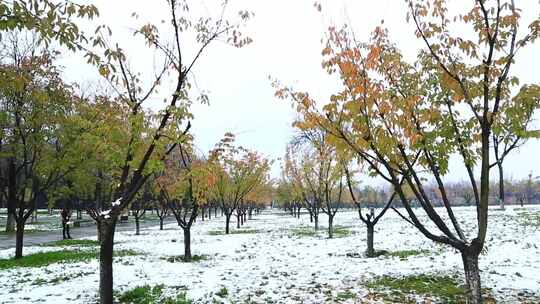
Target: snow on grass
[{"x": 276, "y": 264}]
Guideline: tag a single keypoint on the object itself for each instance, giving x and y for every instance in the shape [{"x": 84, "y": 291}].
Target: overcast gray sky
[{"x": 287, "y": 46}]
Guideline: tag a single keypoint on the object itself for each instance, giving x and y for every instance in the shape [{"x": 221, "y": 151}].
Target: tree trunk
[
  {"x": 107, "y": 228},
  {"x": 202, "y": 214},
  {"x": 98, "y": 225},
  {"x": 227, "y": 222},
  {"x": 311, "y": 217},
  {"x": 187, "y": 244},
  {"x": 370, "y": 252},
  {"x": 10, "y": 223},
  {"x": 501, "y": 185},
  {"x": 19, "y": 237},
  {"x": 316, "y": 220},
  {"x": 330, "y": 227},
  {"x": 238, "y": 221},
  {"x": 472, "y": 277},
  {"x": 298, "y": 213},
  {"x": 160, "y": 223},
  {"x": 137, "y": 226}
]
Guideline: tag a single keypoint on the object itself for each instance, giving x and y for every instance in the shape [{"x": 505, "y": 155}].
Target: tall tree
[
  {"x": 237, "y": 172},
  {"x": 405, "y": 120},
  {"x": 183, "y": 187},
  {"x": 38, "y": 148},
  {"x": 142, "y": 158},
  {"x": 369, "y": 219}
]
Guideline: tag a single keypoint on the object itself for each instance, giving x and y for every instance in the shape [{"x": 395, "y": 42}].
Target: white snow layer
[{"x": 276, "y": 266}]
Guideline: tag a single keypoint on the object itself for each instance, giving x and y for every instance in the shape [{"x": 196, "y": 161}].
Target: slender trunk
[
  {"x": 227, "y": 222},
  {"x": 316, "y": 220},
  {"x": 215, "y": 212},
  {"x": 137, "y": 226},
  {"x": 370, "y": 252},
  {"x": 330, "y": 226},
  {"x": 311, "y": 217},
  {"x": 107, "y": 228},
  {"x": 472, "y": 277},
  {"x": 202, "y": 214},
  {"x": 245, "y": 217},
  {"x": 79, "y": 214},
  {"x": 19, "y": 239},
  {"x": 160, "y": 223},
  {"x": 209, "y": 213},
  {"x": 237, "y": 221},
  {"x": 10, "y": 223},
  {"x": 298, "y": 213},
  {"x": 187, "y": 244},
  {"x": 501, "y": 185},
  {"x": 98, "y": 226}
]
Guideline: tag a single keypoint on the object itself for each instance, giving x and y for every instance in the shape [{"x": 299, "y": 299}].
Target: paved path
[{"x": 40, "y": 237}]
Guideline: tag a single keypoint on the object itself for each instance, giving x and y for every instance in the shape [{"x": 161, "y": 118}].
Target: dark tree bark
[
  {"x": 107, "y": 228},
  {"x": 472, "y": 276},
  {"x": 501, "y": 184},
  {"x": 19, "y": 237},
  {"x": 187, "y": 244},
  {"x": 10, "y": 223},
  {"x": 330, "y": 226},
  {"x": 370, "y": 252},
  {"x": 137, "y": 226},
  {"x": 227, "y": 222}
]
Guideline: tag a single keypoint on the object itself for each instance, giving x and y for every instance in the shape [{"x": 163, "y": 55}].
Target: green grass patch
[
  {"x": 345, "y": 295},
  {"x": 147, "y": 295},
  {"x": 223, "y": 292},
  {"x": 60, "y": 279},
  {"x": 399, "y": 290},
  {"x": 309, "y": 231},
  {"x": 237, "y": 231},
  {"x": 182, "y": 259},
  {"x": 404, "y": 254},
  {"x": 81, "y": 243},
  {"x": 26, "y": 231},
  {"x": 41, "y": 259},
  {"x": 305, "y": 231},
  {"x": 341, "y": 231}
]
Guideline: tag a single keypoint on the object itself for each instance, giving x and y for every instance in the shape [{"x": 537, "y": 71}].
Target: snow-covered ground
[{"x": 275, "y": 265}]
